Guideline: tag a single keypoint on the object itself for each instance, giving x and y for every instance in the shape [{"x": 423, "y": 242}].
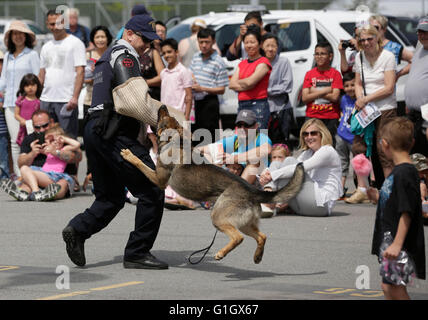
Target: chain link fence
[{"x": 115, "y": 13}]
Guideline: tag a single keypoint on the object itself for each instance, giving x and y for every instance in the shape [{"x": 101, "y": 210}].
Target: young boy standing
[
  {"x": 177, "y": 81},
  {"x": 321, "y": 89},
  {"x": 344, "y": 137},
  {"x": 399, "y": 209}
]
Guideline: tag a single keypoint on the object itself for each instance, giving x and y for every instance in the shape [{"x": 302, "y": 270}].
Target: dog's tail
[{"x": 289, "y": 191}]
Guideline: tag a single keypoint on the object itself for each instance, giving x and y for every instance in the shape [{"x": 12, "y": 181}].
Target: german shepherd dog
[{"x": 237, "y": 205}]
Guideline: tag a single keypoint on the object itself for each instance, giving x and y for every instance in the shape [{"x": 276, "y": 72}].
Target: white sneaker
[{"x": 266, "y": 211}]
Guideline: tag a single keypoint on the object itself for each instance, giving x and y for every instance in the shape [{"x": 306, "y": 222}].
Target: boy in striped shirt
[{"x": 210, "y": 80}]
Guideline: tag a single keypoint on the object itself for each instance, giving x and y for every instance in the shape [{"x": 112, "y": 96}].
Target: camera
[
  {"x": 41, "y": 137},
  {"x": 253, "y": 27},
  {"x": 347, "y": 44}
]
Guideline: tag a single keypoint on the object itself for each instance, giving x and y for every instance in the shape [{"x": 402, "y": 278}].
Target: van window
[
  {"x": 35, "y": 29},
  {"x": 225, "y": 36},
  {"x": 350, "y": 26},
  {"x": 180, "y": 31},
  {"x": 294, "y": 36}
]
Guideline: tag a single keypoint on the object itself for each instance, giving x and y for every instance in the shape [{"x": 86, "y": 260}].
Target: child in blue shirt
[{"x": 344, "y": 136}]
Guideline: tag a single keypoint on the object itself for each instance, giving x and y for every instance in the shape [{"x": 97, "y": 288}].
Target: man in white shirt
[
  {"x": 415, "y": 92},
  {"x": 62, "y": 63}
]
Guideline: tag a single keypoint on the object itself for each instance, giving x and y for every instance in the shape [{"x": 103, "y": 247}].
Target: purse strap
[{"x": 362, "y": 73}]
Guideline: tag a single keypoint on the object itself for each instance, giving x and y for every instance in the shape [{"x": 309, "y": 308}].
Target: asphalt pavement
[{"x": 305, "y": 258}]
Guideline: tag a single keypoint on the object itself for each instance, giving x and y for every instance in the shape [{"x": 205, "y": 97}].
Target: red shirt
[
  {"x": 323, "y": 108},
  {"x": 246, "y": 69}
]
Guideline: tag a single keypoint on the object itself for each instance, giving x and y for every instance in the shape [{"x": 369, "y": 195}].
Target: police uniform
[{"x": 106, "y": 134}]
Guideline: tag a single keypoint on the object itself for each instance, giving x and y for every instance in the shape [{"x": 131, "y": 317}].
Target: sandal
[
  {"x": 174, "y": 206},
  {"x": 76, "y": 187}
]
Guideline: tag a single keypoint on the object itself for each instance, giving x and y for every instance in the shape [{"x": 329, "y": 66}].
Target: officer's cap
[{"x": 143, "y": 25}]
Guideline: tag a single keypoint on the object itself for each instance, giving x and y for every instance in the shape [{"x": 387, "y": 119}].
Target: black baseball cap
[{"x": 143, "y": 25}]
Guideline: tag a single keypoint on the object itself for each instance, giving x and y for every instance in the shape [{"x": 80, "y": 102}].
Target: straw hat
[
  {"x": 200, "y": 22},
  {"x": 22, "y": 27}
]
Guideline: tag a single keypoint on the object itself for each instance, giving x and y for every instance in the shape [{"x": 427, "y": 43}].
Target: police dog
[{"x": 237, "y": 205}]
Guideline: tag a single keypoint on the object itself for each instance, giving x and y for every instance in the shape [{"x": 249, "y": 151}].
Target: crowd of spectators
[{"x": 191, "y": 75}]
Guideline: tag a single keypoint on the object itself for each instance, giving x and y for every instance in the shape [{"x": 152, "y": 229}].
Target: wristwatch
[{"x": 57, "y": 153}]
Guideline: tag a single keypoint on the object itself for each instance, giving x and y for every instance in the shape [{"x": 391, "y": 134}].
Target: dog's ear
[{"x": 162, "y": 112}]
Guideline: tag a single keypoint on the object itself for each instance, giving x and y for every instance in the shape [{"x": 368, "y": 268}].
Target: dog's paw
[
  {"x": 258, "y": 259},
  {"x": 219, "y": 256},
  {"x": 127, "y": 155}
]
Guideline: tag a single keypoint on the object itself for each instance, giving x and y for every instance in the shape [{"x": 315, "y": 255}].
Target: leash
[{"x": 205, "y": 249}]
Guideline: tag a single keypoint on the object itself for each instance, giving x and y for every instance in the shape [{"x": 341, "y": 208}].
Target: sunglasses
[
  {"x": 310, "y": 133},
  {"x": 43, "y": 126},
  {"x": 145, "y": 39},
  {"x": 321, "y": 54},
  {"x": 366, "y": 39},
  {"x": 244, "y": 125}
]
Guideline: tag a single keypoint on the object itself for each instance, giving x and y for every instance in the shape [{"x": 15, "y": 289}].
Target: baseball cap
[
  {"x": 139, "y": 9},
  {"x": 247, "y": 116},
  {"x": 419, "y": 161},
  {"x": 423, "y": 24},
  {"x": 143, "y": 25}
]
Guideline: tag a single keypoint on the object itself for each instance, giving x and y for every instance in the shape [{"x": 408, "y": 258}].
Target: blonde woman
[
  {"x": 378, "y": 67},
  {"x": 322, "y": 186},
  {"x": 381, "y": 24}
]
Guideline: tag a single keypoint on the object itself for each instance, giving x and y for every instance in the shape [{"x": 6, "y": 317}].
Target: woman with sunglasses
[
  {"x": 322, "y": 186},
  {"x": 251, "y": 79},
  {"x": 381, "y": 24},
  {"x": 378, "y": 68}
]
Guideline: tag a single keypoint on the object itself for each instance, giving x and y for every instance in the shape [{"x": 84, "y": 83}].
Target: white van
[{"x": 298, "y": 32}]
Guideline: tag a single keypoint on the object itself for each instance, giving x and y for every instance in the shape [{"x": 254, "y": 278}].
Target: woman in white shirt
[
  {"x": 379, "y": 70},
  {"x": 19, "y": 60},
  {"x": 322, "y": 186}
]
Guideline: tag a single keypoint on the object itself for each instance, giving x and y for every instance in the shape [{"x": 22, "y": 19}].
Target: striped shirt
[
  {"x": 3, "y": 127},
  {"x": 210, "y": 73}
]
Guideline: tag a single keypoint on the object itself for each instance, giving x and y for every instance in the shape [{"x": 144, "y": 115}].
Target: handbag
[{"x": 274, "y": 128}]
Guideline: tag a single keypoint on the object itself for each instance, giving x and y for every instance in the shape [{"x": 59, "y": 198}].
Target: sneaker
[
  {"x": 343, "y": 196},
  {"x": 46, "y": 194},
  {"x": 74, "y": 246},
  {"x": 266, "y": 211},
  {"x": 357, "y": 197},
  {"x": 11, "y": 188}
]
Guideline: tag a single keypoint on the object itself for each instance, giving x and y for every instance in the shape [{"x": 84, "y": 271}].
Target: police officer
[{"x": 106, "y": 134}]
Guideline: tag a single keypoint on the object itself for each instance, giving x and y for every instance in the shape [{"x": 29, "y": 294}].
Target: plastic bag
[{"x": 400, "y": 271}]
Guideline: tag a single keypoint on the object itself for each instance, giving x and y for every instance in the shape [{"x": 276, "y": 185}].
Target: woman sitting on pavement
[{"x": 322, "y": 186}]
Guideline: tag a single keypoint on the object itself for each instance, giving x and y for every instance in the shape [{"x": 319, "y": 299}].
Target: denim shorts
[
  {"x": 260, "y": 108},
  {"x": 56, "y": 176}
]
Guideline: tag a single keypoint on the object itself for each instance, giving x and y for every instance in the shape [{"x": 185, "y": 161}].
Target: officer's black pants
[{"x": 111, "y": 174}]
